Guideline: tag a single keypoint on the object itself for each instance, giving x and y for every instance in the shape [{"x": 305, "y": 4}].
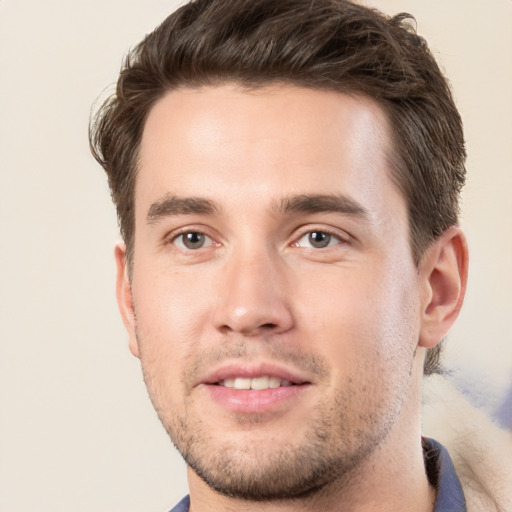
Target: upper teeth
[{"x": 256, "y": 383}]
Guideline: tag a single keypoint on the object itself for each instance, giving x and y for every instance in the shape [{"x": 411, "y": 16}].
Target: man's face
[{"x": 272, "y": 252}]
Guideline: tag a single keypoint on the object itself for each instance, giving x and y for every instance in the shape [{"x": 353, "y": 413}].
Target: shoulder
[
  {"x": 481, "y": 451},
  {"x": 182, "y": 506}
]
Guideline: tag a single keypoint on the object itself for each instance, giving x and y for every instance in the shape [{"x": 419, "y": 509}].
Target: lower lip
[{"x": 254, "y": 401}]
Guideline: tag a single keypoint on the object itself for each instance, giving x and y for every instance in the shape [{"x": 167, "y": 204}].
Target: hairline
[{"x": 397, "y": 166}]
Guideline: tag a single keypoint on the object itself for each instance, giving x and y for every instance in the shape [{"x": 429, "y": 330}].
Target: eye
[
  {"x": 192, "y": 240},
  {"x": 317, "y": 240}
]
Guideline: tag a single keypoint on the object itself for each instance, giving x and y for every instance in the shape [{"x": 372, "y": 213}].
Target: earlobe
[
  {"x": 444, "y": 270},
  {"x": 124, "y": 297}
]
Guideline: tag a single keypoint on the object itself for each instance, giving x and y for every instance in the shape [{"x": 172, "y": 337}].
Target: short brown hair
[{"x": 323, "y": 44}]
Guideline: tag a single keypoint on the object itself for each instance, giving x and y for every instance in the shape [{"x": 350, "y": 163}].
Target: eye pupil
[
  {"x": 319, "y": 239},
  {"x": 193, "y": 240}
]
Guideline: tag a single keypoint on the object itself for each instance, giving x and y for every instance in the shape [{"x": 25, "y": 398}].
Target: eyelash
[
  {"x": 303, "y": 233},
  {"x": 326, "y": 231},
  {"x": 182, "y": 234}
]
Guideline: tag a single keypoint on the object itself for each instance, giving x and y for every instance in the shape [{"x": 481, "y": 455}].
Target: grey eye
[
  {"x": 317, "y": 240},
  {"x": 192, "y": 240}
]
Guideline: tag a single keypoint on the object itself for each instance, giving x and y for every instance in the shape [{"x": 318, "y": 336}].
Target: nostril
[{"x": 269, "y": 326}]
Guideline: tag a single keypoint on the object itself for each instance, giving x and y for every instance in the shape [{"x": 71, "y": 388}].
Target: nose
[{"x": 253, "y": 298}]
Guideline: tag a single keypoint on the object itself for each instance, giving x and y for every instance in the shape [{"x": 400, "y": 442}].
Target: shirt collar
[{"x": 441, "y": 475}]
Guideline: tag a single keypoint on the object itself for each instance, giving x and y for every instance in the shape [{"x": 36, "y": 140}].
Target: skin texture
[{"x": 350, "y": 322}]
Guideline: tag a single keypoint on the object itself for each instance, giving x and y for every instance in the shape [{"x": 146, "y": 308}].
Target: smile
[{"x": 256, "y": 383}]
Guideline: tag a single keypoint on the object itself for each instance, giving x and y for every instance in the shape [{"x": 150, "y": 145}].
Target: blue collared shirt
[{"x": 440, "y": 472}]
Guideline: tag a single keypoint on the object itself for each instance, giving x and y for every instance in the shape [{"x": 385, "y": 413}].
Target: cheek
[
  {"x": 171, "y": 315},
  {"x": 170, "y": 302},
  {"x": 357, "y": 315}
]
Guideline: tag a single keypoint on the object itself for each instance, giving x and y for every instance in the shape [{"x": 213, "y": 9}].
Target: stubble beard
[
  {"x": 266, "y": 472},
  {"x": 327, "y": 454},
  {"x": 342, "y": 434}
]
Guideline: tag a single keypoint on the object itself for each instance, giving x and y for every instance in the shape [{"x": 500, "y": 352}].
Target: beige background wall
[{"x": 77, "y": 431}]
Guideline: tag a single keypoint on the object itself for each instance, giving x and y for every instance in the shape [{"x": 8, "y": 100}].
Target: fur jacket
[{"x": 480, "y": 450}]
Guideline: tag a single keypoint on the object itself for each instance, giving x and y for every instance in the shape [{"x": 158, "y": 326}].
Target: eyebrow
[
  {"x": 173, "y": 205},
  {"x": 169, "y": 206},
  {"x": 320, "y": 203}
]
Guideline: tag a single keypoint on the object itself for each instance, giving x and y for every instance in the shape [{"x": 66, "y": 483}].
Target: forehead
[{"x": 229, "y": 143}]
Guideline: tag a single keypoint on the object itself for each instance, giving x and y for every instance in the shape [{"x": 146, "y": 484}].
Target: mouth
[
  {"x": 256, "y": 388},
  {"x": 255, "y": 383},
  {"x": 255, "y": 376}
]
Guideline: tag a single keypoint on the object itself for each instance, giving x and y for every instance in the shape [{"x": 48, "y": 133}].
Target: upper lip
[{"x": 251, "y": 370}]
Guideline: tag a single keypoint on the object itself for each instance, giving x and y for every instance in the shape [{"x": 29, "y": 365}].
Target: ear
[
  {"x": 124, "y": 297},
  {"x": 444, "y": 271}
]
